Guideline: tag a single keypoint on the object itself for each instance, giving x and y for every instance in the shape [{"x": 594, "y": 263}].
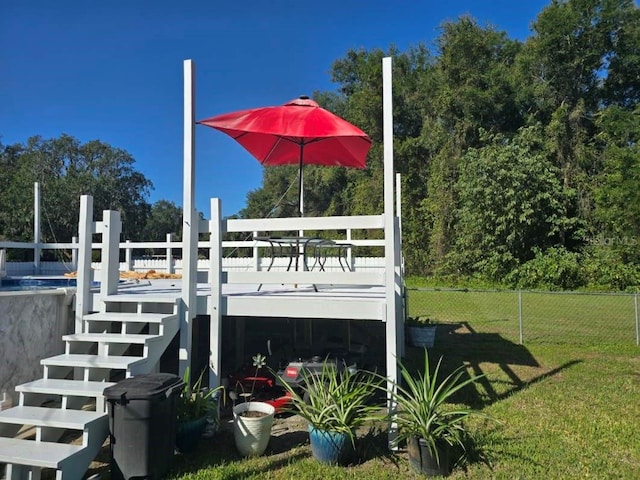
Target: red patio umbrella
[{"x": 298, "y": 132}]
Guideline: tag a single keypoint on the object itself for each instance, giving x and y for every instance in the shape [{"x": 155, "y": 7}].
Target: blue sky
[{"x": 113, "y": 71}]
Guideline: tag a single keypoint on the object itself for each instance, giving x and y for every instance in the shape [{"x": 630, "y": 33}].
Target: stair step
[
  {"x": 38, "y": 454},
  {"x": 140, "y": 298},
  {"x": 129, "y": 317},
  {"x": 51, "y": 417},
  {"x": 92, "y": 361},
  {"x": 56, "y": 386},
  {"x": 110, "y": 338}
]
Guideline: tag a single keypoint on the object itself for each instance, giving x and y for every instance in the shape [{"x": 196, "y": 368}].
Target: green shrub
[
  {"x": 554, "y": 269},
  {"x": 605, "y": 270}
]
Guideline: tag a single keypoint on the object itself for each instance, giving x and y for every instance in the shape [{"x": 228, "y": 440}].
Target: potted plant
[
  {"x": 420, "y": 331},
  {"x": 425, "y": 420},
  {"x": 252, "y": 420},
  {"x": 335, "y": 403},
  {"x": 196, "y": 405}
]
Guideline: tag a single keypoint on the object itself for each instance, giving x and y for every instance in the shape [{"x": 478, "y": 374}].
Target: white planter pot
[{"x": 252, "y": 433}]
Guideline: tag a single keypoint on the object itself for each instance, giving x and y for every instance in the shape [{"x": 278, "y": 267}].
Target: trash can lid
[{"x": 145, "y": 386}]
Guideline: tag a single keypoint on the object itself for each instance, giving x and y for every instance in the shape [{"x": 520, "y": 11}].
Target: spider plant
[
  {"x": 425, "y": 409},
  {"x": 197, "y": 401},
  {"x": 336, "y": 400}
]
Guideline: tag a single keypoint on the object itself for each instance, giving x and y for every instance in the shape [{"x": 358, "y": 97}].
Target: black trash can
[{"x": 142, "y": 425}]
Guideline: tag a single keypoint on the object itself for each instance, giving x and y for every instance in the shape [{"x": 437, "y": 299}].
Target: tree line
[
  {"x": 66, "y": 169},
  {"x": 520, "y": 160}
]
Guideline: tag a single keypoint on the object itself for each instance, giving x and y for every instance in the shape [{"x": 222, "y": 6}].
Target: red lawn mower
[{"x": 260, "y": 383}]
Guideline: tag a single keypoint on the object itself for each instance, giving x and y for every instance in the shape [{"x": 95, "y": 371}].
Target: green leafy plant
[
  {"x": 337, "y": 401},
  {"x": 196, "y": 401},
  {"x": 423, "y": 408},
  {"x": 259, "y": 361},
  {"x": 417, "y": 321}
]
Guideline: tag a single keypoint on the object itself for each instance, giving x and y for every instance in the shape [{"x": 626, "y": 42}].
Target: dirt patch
[
  {"x": 287, "y": 433},
  {"x": 289, "y": 440},
  {"x": 148, "y": 275}
]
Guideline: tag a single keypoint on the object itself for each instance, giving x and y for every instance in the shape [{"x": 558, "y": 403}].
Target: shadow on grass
[
  {"x": 286, "y": 441},
  {"x": 373, "y": 444},
  {"x": 220, "y": 450},
  {"x": 460, "y": 345},
  {"x": 269, "y": 466}
]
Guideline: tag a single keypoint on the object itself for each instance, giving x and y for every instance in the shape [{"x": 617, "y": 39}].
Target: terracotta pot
[{"x": 252, "y": 433}]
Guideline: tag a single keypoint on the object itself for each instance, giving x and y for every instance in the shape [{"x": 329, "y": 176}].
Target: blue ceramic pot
[
  {"x": 329, "y": 447},
  {"x": 189, "y": 433}
]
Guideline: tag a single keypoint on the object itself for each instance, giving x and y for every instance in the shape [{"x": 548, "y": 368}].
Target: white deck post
[
  {"x": 403, "y": 306},
  {"x": 399, "y": 203},
  {"x": 110, "y": 269},
  {"x": 392, "y": 287},
  {"x": 215, "y": 300},
  {"x": 190, "y": 222},
  {"x": 85, "y": 236}
]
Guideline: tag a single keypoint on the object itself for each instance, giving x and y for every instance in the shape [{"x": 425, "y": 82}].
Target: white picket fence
[{"x": 234, "y": 264}]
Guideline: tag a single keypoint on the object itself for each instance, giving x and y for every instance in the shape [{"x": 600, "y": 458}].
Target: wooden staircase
[{"x": 125, "y": 339}]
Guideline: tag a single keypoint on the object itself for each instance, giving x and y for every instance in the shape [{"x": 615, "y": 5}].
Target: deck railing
[
  {"x": 237, "y": 256},
  {"x": 336, "y": 229}
]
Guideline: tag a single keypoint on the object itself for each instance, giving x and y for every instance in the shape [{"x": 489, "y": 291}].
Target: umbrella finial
[{"x": 303, "y": 101}]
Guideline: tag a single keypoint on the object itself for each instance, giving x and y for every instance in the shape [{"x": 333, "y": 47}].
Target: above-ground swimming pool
[
  {"x": 34, "y": 315},
  {"x": 13, "y": 284}
]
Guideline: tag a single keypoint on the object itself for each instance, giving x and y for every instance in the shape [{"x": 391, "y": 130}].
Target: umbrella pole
[{"x": 300, "y": 193}]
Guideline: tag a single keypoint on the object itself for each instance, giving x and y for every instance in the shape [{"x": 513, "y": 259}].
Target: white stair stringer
[{"x": 126, "y": 339}]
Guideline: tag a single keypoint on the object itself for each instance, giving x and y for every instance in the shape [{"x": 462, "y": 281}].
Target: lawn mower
[{"x": 264, "y": 384}]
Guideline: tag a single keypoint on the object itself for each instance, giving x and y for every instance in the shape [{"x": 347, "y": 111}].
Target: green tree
[
  {"x": 16, "y": 215},
  {"x": 510, "y": 204},
  {"x": 583, "y": 54},
  {"x": 471, "y": 90},
  {"x": 65, "y": 170},
  {"x": 164, "y": 217},
  {"x": 618, "y": 192}
]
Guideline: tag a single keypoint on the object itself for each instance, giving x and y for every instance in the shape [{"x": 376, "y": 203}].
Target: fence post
[
  {"x": 256, "y": 254},
  {"x": 520, "y": 313},
  {"x": 169, "y": 254},
  {"x": 37, "y": 251},
  {"x": 128, "y": 257},
  {"x": 349, "y": 253},
  {"x": 74, "y": 254},
  {"x": 635, "y": 303}
]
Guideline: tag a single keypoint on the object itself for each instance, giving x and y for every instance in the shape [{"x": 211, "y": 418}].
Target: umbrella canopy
[{"x": 298, "y": 132}]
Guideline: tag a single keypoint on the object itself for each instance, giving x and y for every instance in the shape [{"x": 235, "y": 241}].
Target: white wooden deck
[{"x": 294, "y": 301}]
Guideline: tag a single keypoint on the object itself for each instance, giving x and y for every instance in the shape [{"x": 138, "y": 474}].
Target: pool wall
[{"x": 31, "y": 327}]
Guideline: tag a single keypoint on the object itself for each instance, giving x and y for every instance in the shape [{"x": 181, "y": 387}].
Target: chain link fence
[{"x": 533, "y": 317}]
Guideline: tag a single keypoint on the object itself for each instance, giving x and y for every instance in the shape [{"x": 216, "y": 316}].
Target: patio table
[
  {"x": 293, "y": 247},
  {"x": 320, "y": 250}
]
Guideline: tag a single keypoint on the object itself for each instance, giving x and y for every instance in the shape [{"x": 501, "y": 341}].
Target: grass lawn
[
  {"x": 558, "y": 410},
  {"x": 547, "y": 317}
]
